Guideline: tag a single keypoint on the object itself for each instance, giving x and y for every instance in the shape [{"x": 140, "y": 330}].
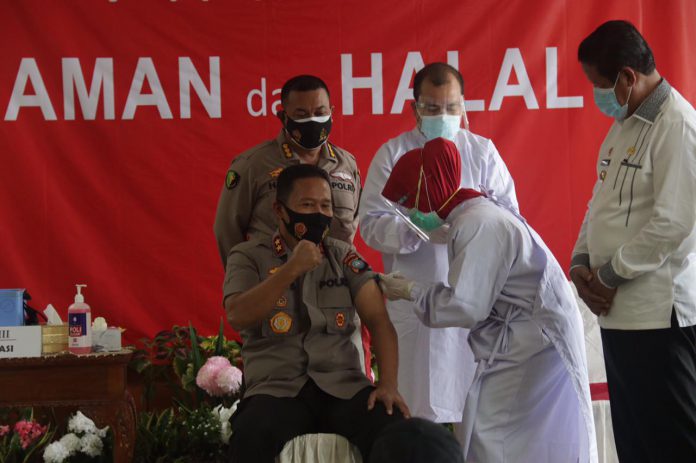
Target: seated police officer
[{"x": 293, "y": 297}]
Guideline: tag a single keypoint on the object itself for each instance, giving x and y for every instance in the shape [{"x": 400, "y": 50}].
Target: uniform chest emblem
[
  {"x": 272, "y": 270},
  {"x": 340, "y": 319},
  {"x": 281, "y": 323},
  {"x": 282, "y": 302},
  {"x": 603, "y": 175}
]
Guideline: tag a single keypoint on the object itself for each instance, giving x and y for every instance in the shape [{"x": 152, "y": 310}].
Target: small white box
[{"x": 20, "y": 341}]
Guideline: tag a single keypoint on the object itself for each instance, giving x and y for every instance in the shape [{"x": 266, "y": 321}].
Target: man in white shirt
[
  {"x": 436, "y": 367},
  {"x": 634, "y": 262}
]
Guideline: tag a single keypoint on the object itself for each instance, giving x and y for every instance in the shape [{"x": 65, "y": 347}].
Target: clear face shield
[{"x": 441, "y": 117}]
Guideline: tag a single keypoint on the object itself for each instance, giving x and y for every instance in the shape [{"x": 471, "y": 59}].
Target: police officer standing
[
  {"x": 244, "y": 209},
  {"x": 293, "y": 297}
]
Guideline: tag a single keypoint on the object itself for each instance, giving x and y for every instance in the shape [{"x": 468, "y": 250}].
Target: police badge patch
[
  {"x": 232, "y": 179},
  {"x": 355, "y": 263}
]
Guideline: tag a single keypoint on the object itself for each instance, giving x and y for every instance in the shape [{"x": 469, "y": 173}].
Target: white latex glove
[
  {"x": 395, "y": 286},
  {"x": 440, "y": 234}
]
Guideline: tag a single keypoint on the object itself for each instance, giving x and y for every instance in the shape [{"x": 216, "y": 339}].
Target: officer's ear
[{"x": 279, "y": 210}]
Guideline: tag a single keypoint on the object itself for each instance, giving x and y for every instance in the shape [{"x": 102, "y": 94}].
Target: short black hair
[
  {"x": 436, "y": 73},
  {"x": 286, "y": 179},
  {"x": 614, "y": 45},
  {"x": 303, "y": 83}
]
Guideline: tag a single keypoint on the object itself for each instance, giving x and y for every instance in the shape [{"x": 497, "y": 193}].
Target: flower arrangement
[
  {"x": 174, "y": 357},
  {"x": 203, "y": 373},
  {"x": 84, "y": 442},
  {"x": 19, "y": 441}
]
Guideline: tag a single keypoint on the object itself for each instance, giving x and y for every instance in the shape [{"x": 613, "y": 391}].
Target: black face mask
[
  {"x": 311, "y": 227},
  {"x": 310, "y": 132}
]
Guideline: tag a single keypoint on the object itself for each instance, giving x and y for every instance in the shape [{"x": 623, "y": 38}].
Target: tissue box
[
  {"x": 54, "y": 338},
  {"x": 20, "y": 341},
  {"x": 11, "y": 307},
  {"x": 108, "y": 340}
]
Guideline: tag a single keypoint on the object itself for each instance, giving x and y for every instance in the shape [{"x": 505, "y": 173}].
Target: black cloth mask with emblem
[
  {"x": 311, "y": 227},
  {"x": 310, "y": 132}
]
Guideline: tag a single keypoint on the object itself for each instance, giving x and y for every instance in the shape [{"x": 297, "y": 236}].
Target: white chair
[{"x": 319, "y": 448}]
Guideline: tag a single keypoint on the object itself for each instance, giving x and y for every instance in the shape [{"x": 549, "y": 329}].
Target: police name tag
[{"x": 20, "y": 341}]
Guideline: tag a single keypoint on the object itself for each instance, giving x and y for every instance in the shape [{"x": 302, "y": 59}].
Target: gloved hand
[
  {"x": 395, "y": 286},
  {"x": 440, "y": 234}
]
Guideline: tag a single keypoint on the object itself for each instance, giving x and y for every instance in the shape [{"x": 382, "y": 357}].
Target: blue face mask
[
  {"x": 441, "y": 126},
  {"x": 425, "y": 221},
  {"x": 605, "y": 99}
]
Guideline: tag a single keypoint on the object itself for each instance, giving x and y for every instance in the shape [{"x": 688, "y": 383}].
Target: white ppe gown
[
  {"x": 530, "y": 400},
  {"x": 436, "y": 367}
]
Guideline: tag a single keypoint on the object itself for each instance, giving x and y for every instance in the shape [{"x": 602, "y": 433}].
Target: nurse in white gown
[{"x": 530, "y": 400}]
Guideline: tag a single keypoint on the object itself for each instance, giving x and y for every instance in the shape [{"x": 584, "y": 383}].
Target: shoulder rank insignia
[
  {"x": 286, "y": 150},
  {"x": 278, "y": 246},
  {"x": 355, "y": 263},
  {"x": 232, "y": 179},
  {"x": 275, "y": 172},
  {"x": 281, "y": 323}
]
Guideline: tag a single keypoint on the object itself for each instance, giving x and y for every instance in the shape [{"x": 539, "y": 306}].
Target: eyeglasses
[{"x": 454, "y": 108}]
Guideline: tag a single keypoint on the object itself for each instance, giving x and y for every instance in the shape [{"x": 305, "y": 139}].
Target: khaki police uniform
[
  {"x": 302, "y": 371},
  {"x": 308, "y": 332},
  {"x": 245, "y": 207}
]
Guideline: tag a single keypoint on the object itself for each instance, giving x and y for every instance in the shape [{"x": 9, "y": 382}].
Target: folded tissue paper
[
  {"x": 105, "y": 338},
  {"x": 54, "y": 334}
]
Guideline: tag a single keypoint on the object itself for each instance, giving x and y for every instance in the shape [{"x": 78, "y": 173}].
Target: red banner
[{"x": 119, "y": 119}]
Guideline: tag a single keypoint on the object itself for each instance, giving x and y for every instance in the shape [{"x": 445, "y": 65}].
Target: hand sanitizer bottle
[{"x": 80, "y": 325}]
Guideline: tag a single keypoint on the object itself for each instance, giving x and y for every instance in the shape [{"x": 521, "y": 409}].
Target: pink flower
[
  {"x": 230, "y": 380},
  {"x": 28, "y": 432},
  {"x": 4, "y": 430},
  {"x": 218, "y": 377}
]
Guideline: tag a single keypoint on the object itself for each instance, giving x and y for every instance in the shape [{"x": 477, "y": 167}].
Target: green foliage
[
  {"x": 181, "y": 436},
  {"x": 157, "y": 438}
]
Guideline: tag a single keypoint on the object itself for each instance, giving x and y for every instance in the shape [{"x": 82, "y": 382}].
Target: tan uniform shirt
[
  {"x": 308, "y": 332},
  {"x": 245, "y": 207}
]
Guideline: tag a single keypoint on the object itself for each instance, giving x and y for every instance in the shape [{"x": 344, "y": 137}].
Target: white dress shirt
[{"x": 640, "y": 226}]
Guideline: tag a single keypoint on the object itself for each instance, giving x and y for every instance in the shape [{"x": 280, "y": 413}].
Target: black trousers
[
  {"x": 652, "y": 391},
  {"x": 263, "y": 424}
]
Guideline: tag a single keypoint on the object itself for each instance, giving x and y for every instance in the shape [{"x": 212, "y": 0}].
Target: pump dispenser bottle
[{"x": 80, "y": 325}]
